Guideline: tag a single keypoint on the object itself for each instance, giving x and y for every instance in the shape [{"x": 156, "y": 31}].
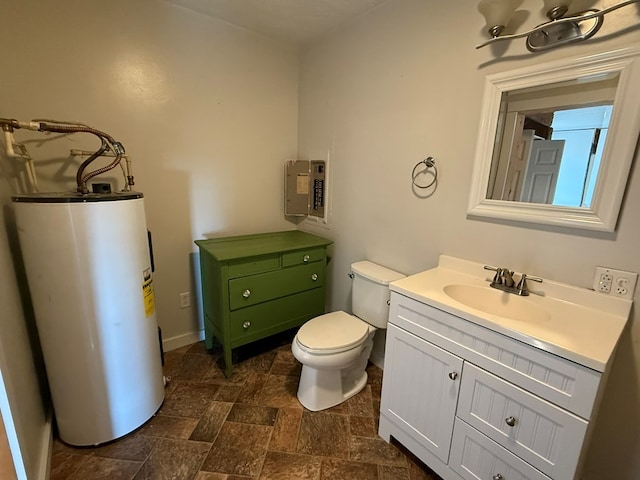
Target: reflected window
[{"x": 584, "y": 132}]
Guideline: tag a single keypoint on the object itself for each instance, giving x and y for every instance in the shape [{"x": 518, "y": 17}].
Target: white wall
[
  {"x": 405, "y": 82},
  {"x": 207, "y": 111}
]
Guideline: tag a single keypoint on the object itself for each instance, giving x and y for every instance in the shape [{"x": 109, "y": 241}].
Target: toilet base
[
  {"x": 324, "y": 383},
  {"x": 322, "y": 389}
]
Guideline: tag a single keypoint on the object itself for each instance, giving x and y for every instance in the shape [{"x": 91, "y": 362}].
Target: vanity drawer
[
  {"x": 474, "y": 456},
  {"x": 301, "y": 257},
  {"x": 255, "y": 289},
  {"x": 248, "y": 324},
  {"x": 250, "y": 266},
  {"x": 537, "y": 431},
  {"x": 561, "y": 381}
]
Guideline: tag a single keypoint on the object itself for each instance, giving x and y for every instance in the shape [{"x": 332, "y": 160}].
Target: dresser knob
[
  {"x": 314, "y": 277},
  {"x": 305, "y": 259},
  {"x": 511, "y": 421},
  {"x": 246, "y": 293},
  {"x": 246, "y": 325},
  {"x": 453, "y": 375},
  {"x": 497, "y": 476}
]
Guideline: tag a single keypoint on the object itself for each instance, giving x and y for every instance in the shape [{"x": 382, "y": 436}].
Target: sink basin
[{"x": 497, "y": 302}]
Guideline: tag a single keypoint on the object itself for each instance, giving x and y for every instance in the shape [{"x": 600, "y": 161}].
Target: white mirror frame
[{"x": 617, "y": 156}]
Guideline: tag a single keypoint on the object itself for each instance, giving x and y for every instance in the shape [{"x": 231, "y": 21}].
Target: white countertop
[{"x": 582, "y": 325}]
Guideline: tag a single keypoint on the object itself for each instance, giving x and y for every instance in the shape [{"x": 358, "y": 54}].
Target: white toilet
[{"x": 334, "y": 348}]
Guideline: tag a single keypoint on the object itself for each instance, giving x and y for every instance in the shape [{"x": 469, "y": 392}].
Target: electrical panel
[{"x": 304, "y": 188}]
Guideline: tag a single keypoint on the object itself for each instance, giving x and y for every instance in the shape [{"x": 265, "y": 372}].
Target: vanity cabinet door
[{"x": 420, "y": 390}]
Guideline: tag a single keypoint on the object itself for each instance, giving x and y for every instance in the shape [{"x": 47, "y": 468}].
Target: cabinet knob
[
  {"x": 305, "y": 259},
  {"x": 511, "y": 421},
  {"x": 453, "y": 375},
  {"x": 246, "y": 293},
  {"x": 246, "y": 325},
  {"x": 314, "y": 277},
  {"x": 497, "y": 476}
]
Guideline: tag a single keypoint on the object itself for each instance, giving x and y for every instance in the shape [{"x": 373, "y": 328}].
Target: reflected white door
[{"x": 541, "y": 176}]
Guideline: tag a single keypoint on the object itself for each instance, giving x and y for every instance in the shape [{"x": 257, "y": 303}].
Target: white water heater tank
[{"x": 88, "y": 266}]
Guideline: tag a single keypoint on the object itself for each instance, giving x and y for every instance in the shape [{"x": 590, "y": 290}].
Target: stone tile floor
[{"x": 250, "y": 426}]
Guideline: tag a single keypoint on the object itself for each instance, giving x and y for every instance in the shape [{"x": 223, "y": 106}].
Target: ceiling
[{"x": 294, "y": 21}]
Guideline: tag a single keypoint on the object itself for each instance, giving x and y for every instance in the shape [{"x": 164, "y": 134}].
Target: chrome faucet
[
  {"x": 503, "y": 280},
  {"x": 507, "y": 278}
]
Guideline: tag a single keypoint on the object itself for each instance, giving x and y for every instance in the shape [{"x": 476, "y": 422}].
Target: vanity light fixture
[{"x": 559, "y": 30}]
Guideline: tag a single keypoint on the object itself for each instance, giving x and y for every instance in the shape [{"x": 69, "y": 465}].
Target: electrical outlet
[
  {"x": 615, "y": 282},
  {"x": 603, "y": 280},
  {"x": 185, "y": 299}
]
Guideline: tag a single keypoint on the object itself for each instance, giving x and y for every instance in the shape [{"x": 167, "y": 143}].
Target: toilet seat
[{"x": 333, "y": 332}]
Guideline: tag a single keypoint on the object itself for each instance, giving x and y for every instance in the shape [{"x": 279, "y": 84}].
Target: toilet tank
[{"x": 370, "y": 292}]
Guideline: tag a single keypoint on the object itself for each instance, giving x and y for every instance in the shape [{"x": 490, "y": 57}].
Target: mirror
[{"x": 556, "y": 142}]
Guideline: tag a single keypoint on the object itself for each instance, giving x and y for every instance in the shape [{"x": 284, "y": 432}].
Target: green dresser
[{"x": 254, "y": 286}]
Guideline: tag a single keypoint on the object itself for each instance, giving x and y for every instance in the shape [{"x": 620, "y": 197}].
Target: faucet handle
[
  {"x": 522, "y": 284},
  {"x": 497, "y": 278},
  {"x": 529, "y": 277}
]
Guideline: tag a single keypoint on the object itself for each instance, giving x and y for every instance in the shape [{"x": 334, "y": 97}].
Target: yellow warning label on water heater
[{"x": 149, "y": 298}]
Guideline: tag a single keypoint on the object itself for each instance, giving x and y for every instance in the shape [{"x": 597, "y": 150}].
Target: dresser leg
[{"x": 228, "y": 366}]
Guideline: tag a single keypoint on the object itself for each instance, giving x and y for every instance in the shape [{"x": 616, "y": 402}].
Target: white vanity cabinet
[{"x": 474, "y": 404}]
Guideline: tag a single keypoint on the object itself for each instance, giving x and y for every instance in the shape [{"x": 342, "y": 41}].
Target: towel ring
[{"x": 430, "y": 163}]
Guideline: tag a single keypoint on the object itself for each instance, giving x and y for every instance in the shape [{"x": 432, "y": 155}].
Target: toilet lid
[{"x": 332, "y": 331}]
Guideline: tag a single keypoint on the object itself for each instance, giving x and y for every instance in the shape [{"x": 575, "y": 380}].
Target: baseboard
[
  {"x": 377, "y": 352},
  {"x": 44, "y": 471},
  {"x": 178, "y": 341},
  {"x": 377, "y": 359}
]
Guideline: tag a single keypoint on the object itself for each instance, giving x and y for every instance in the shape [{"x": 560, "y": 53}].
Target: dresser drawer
[
  {"x": 250, "y": 266},
  {"x": 255, "y": 289},
  {"x": 267, "y": 318},
  {"x": 301, "y": 257},
  {"x": 537, "y": 431},
  {"x": 556, "y": 379},
  {"x": 474, "y": 456}
]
